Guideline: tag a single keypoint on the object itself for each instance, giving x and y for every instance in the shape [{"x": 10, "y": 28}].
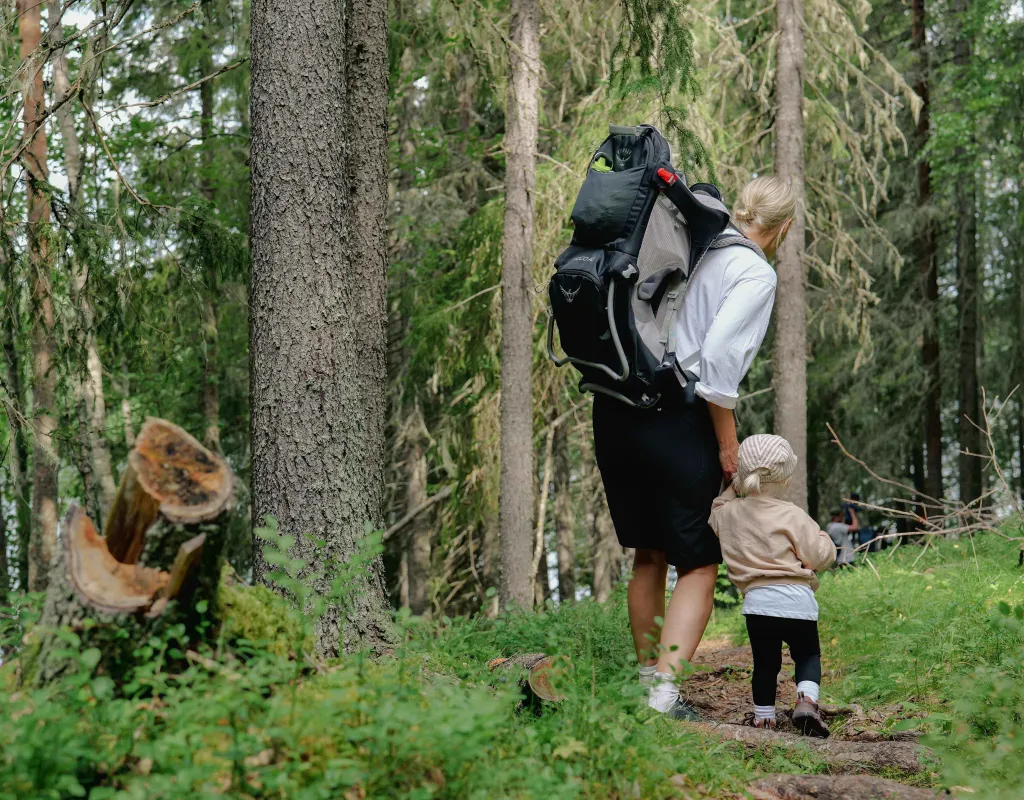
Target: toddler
[{"x": 772, "y": 550}]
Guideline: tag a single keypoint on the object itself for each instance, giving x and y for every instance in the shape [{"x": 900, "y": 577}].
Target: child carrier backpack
[{"x": 639, "y": 233}]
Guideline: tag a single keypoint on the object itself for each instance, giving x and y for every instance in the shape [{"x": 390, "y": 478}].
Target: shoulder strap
[{"x": 731, "y": 236}]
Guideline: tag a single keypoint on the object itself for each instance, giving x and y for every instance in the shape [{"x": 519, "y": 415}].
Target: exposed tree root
[
  {"x": 835, "y": 787},
  {"x": 842, "y": 755}
]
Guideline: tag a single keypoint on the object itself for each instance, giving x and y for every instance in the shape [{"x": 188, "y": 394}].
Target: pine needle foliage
[{"x": 655, "y": 57}]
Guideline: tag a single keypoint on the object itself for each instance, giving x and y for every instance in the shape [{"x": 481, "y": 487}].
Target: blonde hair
[{"x": 765, "y": 203}]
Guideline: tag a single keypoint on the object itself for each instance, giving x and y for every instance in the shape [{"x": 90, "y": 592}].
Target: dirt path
[{"x": 720, "y": 690}]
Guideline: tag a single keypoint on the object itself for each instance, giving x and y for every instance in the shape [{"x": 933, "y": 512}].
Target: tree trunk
[
  {"x": 317, "y": 295},
  {"x": 44, "y": 379},
  {"x": 926, "y": 264},
  {"x": 1019, "y": 377},
  {"x": 5, "y": 567},
  {"x": 967, "y": 291},
  {"x": 607, "y": 552},
  {"x": 490, "y": 557},
  {"x": 516, "y": 490},
  {"x": 420, "y": 527},
  {"x": 789, "y": 359},
  {"x": 565, "y": 519},
  {"x": 11, "y": 374},
  {"x": 164, "y": 551},
  {"x": 210, "y": 327},
  {"x": 126, "y": 405},
  {"x": 100, "y": 470}
]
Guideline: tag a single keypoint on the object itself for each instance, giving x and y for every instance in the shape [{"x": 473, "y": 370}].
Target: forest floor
[{"x": 923, "y": 655}]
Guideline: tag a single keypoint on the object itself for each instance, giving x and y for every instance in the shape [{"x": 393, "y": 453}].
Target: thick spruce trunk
[
  {"x": 516, "y": 490},
  {"x": 45, "y": 463},
  {"x": 317, "y": 295},
  {"x": 967, "y": 290},
  {"x": 789, "y": 359},
  {"x": 163, "y": 553}
]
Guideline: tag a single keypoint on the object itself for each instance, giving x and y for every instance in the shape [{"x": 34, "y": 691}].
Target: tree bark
[
  {"x": 126, "y": 405},
  {"x": 565, "y": 519},
  {"x": 18, "y": 463},
  {"x": 789, "y": 358},
  {"x": 420, "y": 527},
  {"x": 926, "y": 263},
  {"x": 967, "y": 290},
  {"x": 516, "y": 480},
  {"x": 490, "y": 558},
  {"x": 210, "y": 327},
  {"x": 317, "y": 295},
  {"x": 607, "y": 552},
  {"x": 100, "y": 470},
  {"x": 5, "y": 567},
  {"x": 44, "y": 379}
]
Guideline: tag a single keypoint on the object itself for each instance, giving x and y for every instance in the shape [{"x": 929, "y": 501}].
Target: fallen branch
[{"x": 437, "y": 498}]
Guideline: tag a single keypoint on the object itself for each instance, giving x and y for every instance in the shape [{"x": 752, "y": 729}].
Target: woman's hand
[
  {"x": 728, "y": 444},
  {"x": 729, "y": 457}
]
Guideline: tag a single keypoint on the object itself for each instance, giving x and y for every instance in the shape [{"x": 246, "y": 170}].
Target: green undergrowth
[
  {"x": 940, "y": 632},
  {"x": 253, "y": 716}
]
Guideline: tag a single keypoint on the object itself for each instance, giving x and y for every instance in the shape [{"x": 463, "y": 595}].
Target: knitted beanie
[{"x": 764, "y": 460}]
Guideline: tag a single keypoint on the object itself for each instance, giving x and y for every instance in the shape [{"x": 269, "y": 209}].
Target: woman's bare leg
[
  {"x": 687, "y": 617},
  {"x": 646, "y": 600}
]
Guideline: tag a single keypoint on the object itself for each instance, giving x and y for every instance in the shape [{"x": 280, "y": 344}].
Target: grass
[{"x": 939, "y": 636}]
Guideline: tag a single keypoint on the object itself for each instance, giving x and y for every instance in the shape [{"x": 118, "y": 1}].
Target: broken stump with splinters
[
  {"x": 534, "y": 673},
  {"x": 161, "y": 555}
]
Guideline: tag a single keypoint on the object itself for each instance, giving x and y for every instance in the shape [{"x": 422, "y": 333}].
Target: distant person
[
  {"x": 841, "y": 534},
  {"x": 850, "y": 508},
  {"x": 772, "y": 550}
]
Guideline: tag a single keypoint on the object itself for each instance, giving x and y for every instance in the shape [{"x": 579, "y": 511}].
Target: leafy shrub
[{"x": 982, "y": 745}]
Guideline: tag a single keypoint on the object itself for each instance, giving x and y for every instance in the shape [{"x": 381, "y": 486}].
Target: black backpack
[{"x": 639, "y": 234}]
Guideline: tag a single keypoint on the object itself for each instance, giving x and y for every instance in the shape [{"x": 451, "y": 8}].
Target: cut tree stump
[
  {"x": 534, "y": 673},
  {"x": 835, "y": 787},
  {"x": 161, "y": 558},
  {"x": 842, "y": 755}
]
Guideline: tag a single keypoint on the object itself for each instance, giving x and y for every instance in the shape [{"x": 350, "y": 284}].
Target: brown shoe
[
  {"x": 807, "y": 718},
  {"x": 764, "y": 724}
]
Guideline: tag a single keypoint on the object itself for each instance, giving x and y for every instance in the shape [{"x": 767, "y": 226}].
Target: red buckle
[{"x": 668, "y": 177}]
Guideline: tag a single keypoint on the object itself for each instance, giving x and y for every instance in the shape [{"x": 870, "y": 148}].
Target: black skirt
[{"x": 661, "y": 474}]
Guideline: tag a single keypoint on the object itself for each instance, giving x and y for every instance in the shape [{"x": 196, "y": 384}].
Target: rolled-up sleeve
[{"x": 733, "y": 339}]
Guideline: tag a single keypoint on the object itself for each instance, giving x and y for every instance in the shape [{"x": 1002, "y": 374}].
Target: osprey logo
[
  {"x": 584, "y": 258},
  {"x": 569, "y": 296},
  {"x": 624, "y": 153}
]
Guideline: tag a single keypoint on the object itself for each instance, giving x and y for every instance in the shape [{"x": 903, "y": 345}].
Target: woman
[{"x": 662, "y": 468}]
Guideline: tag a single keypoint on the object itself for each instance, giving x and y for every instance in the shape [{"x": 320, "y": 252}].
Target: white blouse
[{"x": 725, "y": 312}]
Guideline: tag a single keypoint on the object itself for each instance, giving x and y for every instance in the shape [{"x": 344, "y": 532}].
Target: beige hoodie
[{"x": 768, "y": 541}]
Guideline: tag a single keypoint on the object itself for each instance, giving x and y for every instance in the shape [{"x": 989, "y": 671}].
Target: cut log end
[
  {"x": 101, "y": 581},
  {"x": 172, "y": 476},
  {"x": 190, "y": 483},
  {"x": 105, "y": 584},
  {"x": 540, "y": 670}
]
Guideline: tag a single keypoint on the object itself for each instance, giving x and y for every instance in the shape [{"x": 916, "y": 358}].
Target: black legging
[{"x": 766, "y": 637}]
